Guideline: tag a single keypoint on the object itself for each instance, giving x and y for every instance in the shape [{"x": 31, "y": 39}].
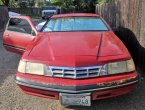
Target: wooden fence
[
  {"x": 3, "y": 16},
  {"x": 27, "y": 11},
  {"x": 37, "y": 11},
  {"x": 125, "y": 13}
]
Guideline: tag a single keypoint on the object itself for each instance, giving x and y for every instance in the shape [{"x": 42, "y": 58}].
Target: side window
[{"x": 19, "y": 25}]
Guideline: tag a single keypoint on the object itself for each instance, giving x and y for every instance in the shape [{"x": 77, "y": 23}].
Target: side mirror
[{"x": 33, "y": 33}]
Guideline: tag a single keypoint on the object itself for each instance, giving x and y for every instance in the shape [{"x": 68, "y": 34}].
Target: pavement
[{"x": 11, "y": 97}]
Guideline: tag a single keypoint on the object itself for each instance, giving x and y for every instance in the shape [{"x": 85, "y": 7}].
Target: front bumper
[
  {"x": 77, "y": 89},
  {"x": 99, "y": 90}
]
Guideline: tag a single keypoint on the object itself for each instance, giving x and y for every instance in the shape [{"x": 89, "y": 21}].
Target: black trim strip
[
  {"x": 72, "y": 89},
  {"x": 100, "y": 46},
  {"x": 14, "y": 47}
]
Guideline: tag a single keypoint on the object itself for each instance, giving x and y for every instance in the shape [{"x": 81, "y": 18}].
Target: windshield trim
[{"x": 108, "y": 29}]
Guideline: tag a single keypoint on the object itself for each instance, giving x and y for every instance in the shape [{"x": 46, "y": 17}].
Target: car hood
[{"x": 77, "y": 46}]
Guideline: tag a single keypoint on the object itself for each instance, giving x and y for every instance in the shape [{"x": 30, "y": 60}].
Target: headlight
[
  {"x": 118, "y": 67},
  {"x": 130, "y": 65},
  {"x": 34, "y": 68}
]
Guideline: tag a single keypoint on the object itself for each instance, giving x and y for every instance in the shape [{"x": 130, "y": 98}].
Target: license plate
[{"x": 76, "y": 99}]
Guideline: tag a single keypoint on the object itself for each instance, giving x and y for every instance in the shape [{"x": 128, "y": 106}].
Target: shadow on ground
[
  {"x": 8, "y": 62},
  {"x": 136, "y": 50}
]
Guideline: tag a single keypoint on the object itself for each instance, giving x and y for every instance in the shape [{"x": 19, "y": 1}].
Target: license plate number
[{"x": 76, "y": 99}]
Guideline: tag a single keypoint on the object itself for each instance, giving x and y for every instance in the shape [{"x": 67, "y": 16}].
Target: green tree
[
  {"x": 13, "y": 3},
  {"x": 26, "y": 3},
  {"x": 5, "y": 2},
  {"x": 58, "y": 4},
  {"x": 23, "y": 4},
  {"x": 86, "y": 5},
  {"x": 31, "y": 3},
  {"x": 62, "y": 3},
  {"x": 40, "y": 3},
  {"x": 103, "y": 1},
  {"x": 79, "y": 5}
]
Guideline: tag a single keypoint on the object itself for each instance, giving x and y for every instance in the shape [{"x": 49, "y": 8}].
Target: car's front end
[
  {"x": 96, "y": 82},
  {"x": 77, "y": 66},
  {"x": 100, "y": 81}
]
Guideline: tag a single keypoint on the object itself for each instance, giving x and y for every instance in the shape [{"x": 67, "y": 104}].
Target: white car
[
  {"x": 13, "y": 14},
  {"x": 48, "y": 11},
  {"x": 40, "y": 25}
]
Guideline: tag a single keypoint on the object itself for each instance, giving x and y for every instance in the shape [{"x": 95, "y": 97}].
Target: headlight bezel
[
  {"x": 128, "y": 67},
  {"x": 34, "y": 68}
]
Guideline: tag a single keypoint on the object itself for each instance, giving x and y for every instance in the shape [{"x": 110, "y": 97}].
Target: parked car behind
[
  {"x": 75, "y": 58},
  {"x": 48, "y": 11},
  {"x": 40, "y": 25},
  {"x": 13, "y": 14}
]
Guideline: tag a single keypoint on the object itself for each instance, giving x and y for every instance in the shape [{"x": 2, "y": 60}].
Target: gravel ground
[{"x": 11, "y": 98}]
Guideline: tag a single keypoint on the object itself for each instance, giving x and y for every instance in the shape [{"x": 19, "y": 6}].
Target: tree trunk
[{"x": 5, "y": 2}]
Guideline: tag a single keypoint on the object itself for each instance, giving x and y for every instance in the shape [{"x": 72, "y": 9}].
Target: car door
[{"x": 20, "y": 32}]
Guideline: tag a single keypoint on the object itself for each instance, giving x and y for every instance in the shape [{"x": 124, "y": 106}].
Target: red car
[{"x": 75, "y": 58}]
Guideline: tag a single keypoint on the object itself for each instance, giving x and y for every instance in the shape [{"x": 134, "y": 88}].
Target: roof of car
[{"x": 75, "y": 15}]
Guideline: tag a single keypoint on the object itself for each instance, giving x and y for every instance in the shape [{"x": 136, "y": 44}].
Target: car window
[
  {"x": 75, "y": 24},
  {"x": 19, "y": 25}
]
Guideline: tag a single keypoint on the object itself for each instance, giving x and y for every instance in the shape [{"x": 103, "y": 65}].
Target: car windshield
[{"x": 67, "y": 24}]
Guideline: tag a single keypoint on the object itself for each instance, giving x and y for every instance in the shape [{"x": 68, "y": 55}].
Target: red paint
[
  {"x": 95, "y": 95},
  {"x": 112, "y": 93},
  {"x": 75, "y": 15},
  {"x": 40, "y": 93},
  {"x": 79, "y": 50},
  {"x": 18, "y": 39},
  {"x": 70, "y": 49}
]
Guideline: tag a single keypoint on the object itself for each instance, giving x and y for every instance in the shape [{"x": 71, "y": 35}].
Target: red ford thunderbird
[{"x": 75, "y": 58}]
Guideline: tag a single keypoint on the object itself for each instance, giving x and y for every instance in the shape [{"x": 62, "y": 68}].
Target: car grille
[{"x": 75, "y": 73}]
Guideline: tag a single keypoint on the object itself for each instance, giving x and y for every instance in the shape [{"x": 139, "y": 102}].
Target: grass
[{"x": 33, "y": 16}]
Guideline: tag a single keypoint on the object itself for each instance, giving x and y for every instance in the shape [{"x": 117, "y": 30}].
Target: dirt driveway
[{"x": 11, "y": 98}]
